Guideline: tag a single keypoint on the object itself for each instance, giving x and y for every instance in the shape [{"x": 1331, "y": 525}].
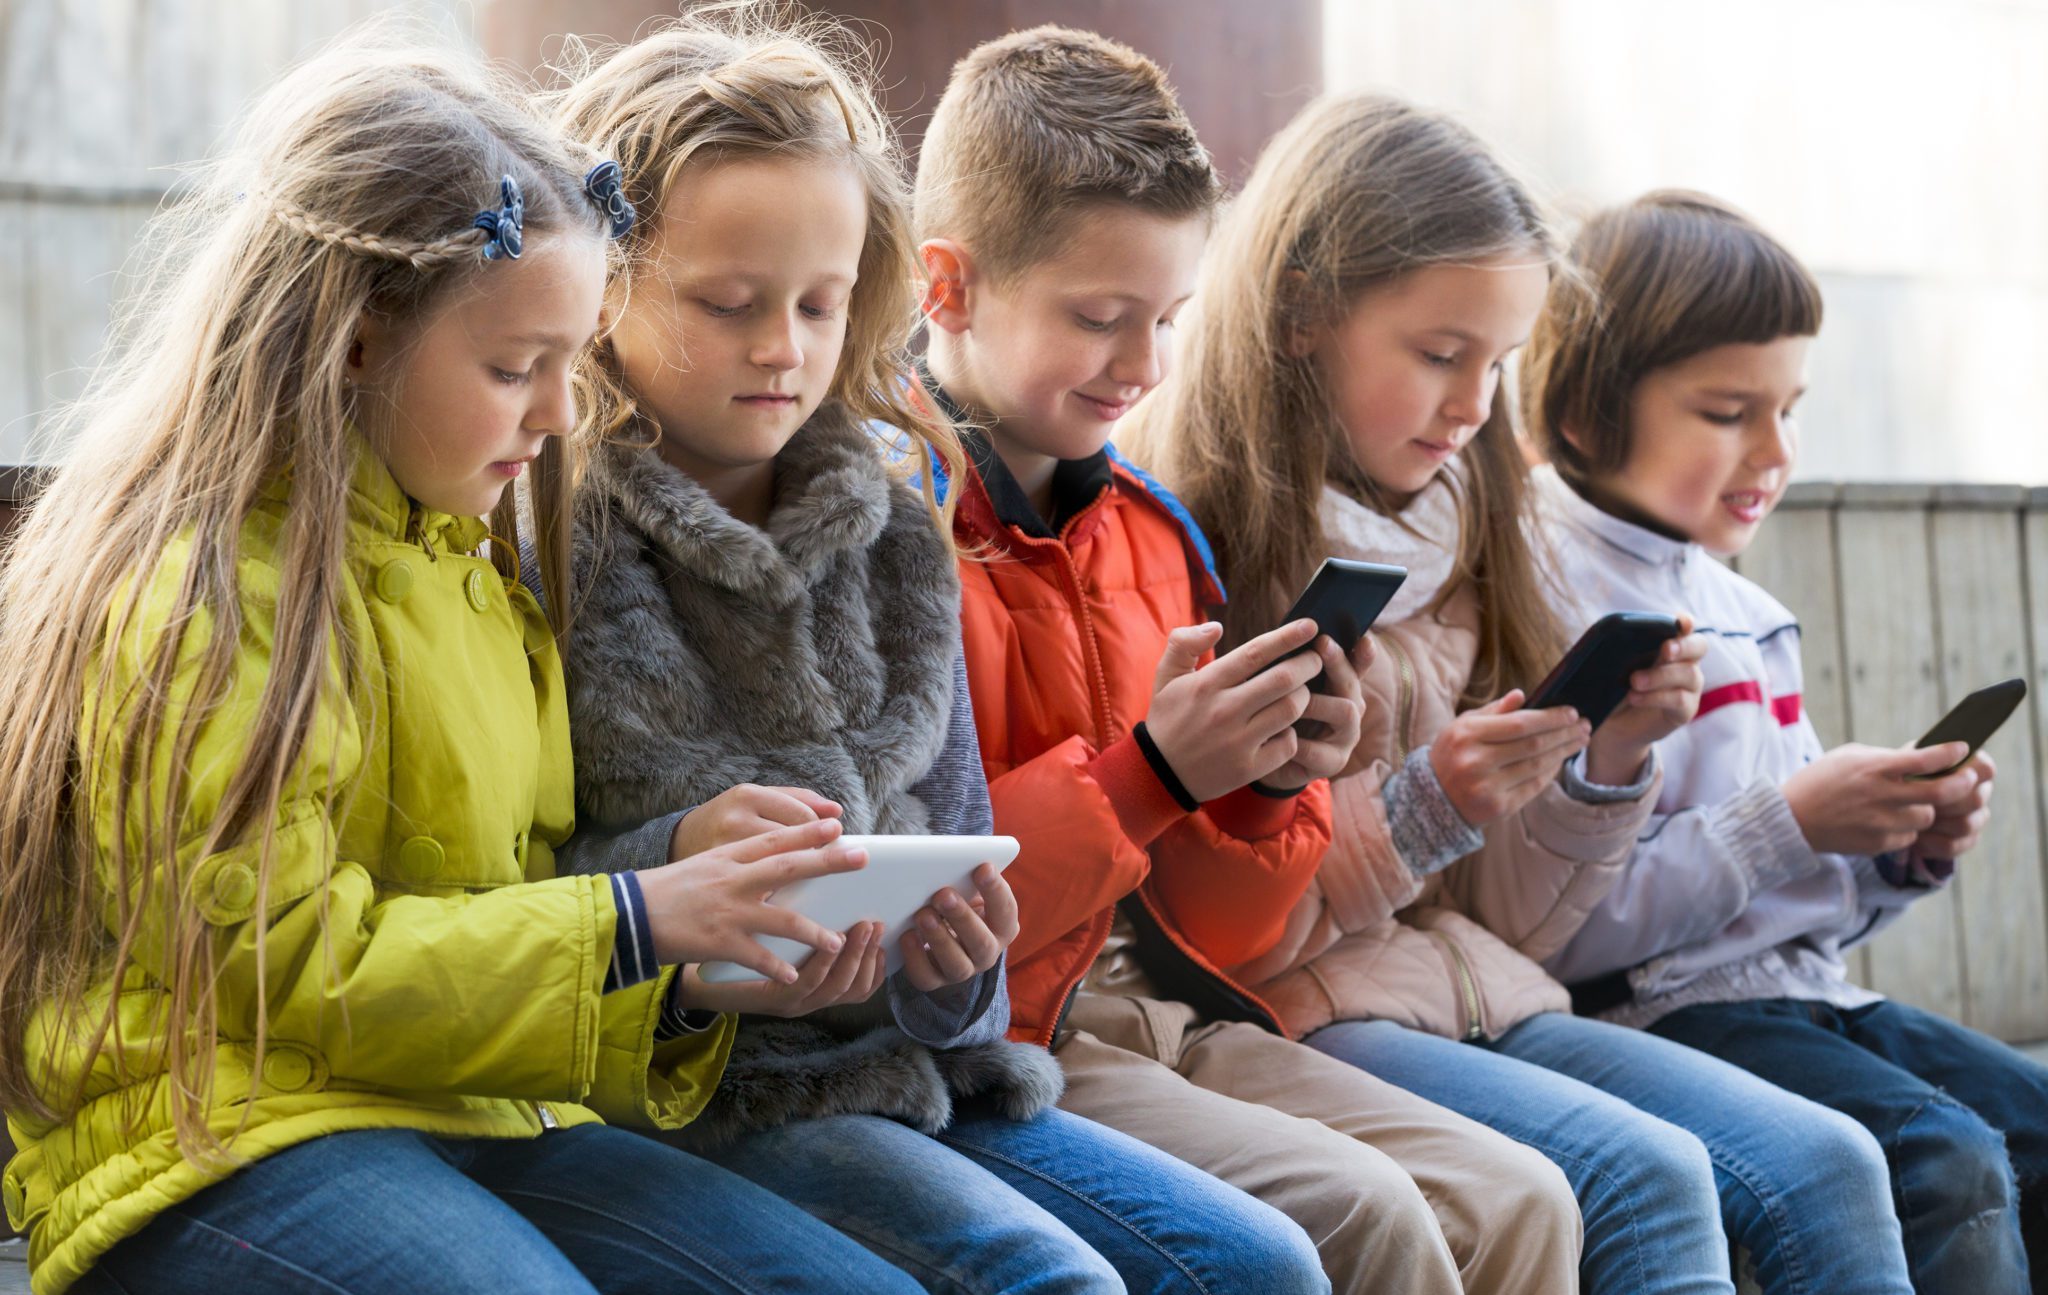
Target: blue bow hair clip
[
  {"x": 605, "y": 185},
  {"x": 506, "y": 225}
]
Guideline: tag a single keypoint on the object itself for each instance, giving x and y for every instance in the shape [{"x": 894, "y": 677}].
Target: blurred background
[{"x": 1900, "y": 146}]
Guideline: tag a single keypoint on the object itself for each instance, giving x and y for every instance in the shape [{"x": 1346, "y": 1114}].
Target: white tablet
[{"x": 901, "y": 876}]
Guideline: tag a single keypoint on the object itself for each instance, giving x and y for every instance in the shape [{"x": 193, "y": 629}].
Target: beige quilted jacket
[{"x": 1455, "y": 953}]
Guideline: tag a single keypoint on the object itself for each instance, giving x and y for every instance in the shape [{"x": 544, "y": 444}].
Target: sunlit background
[{"x": 1900, "y": 146}]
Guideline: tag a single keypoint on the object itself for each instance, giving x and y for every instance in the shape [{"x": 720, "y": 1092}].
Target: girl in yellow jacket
[{"x": 290, "y": 994}]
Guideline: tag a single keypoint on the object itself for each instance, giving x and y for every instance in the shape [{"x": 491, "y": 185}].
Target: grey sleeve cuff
[
  {"x": 1579, "y": 788},
  {"x": 976, "y": 1011},
  {"x": 633, "y": 849},
  {"x": 1429, "y": 832}
]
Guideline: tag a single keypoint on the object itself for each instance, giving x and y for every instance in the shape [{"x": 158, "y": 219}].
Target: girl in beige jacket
[{"x": 1342, "y": 399}]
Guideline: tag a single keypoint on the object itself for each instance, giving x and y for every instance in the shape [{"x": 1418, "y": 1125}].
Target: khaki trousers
[{"x": 1399, "y": 1194}]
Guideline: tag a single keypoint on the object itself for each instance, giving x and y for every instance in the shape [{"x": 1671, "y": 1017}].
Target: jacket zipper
[
  {"x": 1404, "y": 701},
  {"x": 1073, "y": 988},
  {"x": 1091, "y": 647},
  {"x": 547, "y": 1117},
  {"x": 1468, "y": 987}
]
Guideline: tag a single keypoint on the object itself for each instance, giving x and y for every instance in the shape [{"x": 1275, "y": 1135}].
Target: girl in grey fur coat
[{"x": 765, "y": 631}]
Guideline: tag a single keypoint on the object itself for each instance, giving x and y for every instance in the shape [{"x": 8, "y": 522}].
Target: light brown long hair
[
  {"x": 349, "y": 188},
  {"x": 749, "y": 80},
  {"x": 1355, "y": 192}
]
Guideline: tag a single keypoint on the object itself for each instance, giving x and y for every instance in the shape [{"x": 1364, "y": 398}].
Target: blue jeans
[
  {"x": 1657, "y": 1145},
  {"x": 1645, "y": 1188},
  {"x": 392, "y": 1212},
  {"x": 1163, "y": 1226},
  {"x": 1802, "y": 1188},
  {"x": 1962, "y": 1118}
]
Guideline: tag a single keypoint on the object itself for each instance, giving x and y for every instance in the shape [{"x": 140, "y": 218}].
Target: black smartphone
[
  {"x": 1593, "y": 677},
  {"x": 1974, "y": 719},
  {"x": 1344, "y": 598}
]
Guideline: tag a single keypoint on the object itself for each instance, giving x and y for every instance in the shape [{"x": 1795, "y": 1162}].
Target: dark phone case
[
  {"x": 1974, "y": 719},
  {"x": 1593, "y": 677},
  {"x": 1344, "y": 598}
]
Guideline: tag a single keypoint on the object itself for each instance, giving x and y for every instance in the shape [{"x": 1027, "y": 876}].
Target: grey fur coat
[{"x": 820, "y": 651}]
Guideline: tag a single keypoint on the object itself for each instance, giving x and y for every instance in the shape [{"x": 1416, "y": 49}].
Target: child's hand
[
  {"x": 1958, "y": 823},
  {"x": 957, "y": 939},
  {"x": 1226, "y": 724},
  {"x": 712, "y": 906},
  {"x": 1496, "y": 758},
  {"x": 1339, "y": 709},
  {"x": 1864, "y": 800},
  {"x": 1661, "y": 700},
  {"x": 849, "y": 974},
  {"x": 743, "y": 811}
]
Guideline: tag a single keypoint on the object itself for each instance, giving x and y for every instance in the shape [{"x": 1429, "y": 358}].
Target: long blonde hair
[
  {"x": 747, "y": 80},
  {"x": 1356, "y": 191},
  {"x": 350, "y": 187}
]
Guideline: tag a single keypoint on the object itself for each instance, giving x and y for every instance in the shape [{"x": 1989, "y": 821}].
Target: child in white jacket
[{"x": 1666, "y": 410}]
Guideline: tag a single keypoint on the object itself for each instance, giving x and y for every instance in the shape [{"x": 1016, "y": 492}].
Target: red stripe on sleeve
[{"x": 1728, "y": 695}]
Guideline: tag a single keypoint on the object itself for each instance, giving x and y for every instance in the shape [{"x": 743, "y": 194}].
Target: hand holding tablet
[{"x": 902, "y": 876}]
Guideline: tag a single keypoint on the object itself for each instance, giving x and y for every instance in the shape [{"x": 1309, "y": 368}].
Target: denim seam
[
  {"x": 261, "y": 1252},
  {"x": 661, "y": 1241},
  {"x": 1096, "y": 1205},
  {"x": 1636, "y": 1246},
  {"x": 1773, "y": 1213},
  {"x": 888, "y": 1248}
]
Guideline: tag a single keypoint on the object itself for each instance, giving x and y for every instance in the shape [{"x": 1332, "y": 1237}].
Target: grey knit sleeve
[
  {"x": 955, "y": 795},
  {"x": 1429, "y": 832},
  {"x": 1587, "y": 792},
  {"x": 630, "y": 849}
]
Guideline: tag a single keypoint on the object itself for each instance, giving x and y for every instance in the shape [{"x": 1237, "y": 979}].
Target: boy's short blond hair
[{"x": 1040, "y": 124}]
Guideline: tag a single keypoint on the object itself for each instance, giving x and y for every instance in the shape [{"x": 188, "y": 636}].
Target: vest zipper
[
  {"x": 547, "y": 1117},
  {"x": 1404, "y": 700},
  {"x": 1468, "y": 986}
]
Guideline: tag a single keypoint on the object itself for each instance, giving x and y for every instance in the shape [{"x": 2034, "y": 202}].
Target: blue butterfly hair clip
[
  {"x": 506, "y": 225},
  {"x": 606, "y": 186}
]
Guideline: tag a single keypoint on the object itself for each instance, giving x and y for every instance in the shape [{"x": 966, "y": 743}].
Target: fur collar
[
  {"x": 816, "y": 651},
  {"x": 833, "y": 497}
]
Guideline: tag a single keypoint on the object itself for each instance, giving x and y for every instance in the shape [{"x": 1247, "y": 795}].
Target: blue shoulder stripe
[
  {"x": 897, "y": 446},
  {"x": 1166, "y": 499}
]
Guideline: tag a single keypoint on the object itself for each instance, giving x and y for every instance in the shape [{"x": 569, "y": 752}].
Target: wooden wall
[{"x": 99, "y": 105}]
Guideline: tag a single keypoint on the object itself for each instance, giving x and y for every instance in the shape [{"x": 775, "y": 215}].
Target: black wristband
[{"x": 1164, "y": 771}]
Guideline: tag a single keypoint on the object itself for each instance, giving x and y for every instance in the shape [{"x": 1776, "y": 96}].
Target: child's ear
[
  {"x": 1573, "y": 436},
  {"x": 948, "y": 284},
  {"x": 1300, "y": 332},
  {"x": 372, "y": 348}
]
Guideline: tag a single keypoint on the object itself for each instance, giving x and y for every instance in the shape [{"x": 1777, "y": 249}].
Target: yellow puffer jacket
[{"x": 444, "y": 979}]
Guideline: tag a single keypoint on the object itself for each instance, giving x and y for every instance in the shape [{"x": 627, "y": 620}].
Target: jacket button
[
  {"x": 478, "y": 590},
  {"x": 234, "y": 886},
  {"x": 394, "y": 580},
  {"x": 287, "y": 1069},
  {"x": 420, "y": 858}
]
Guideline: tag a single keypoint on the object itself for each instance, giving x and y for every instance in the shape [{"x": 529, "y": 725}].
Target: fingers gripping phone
[
  {"x": 1973, "y": 720},
  {"x": 1344, "y": 598},
  {"x": 1593, "y": 677}
]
